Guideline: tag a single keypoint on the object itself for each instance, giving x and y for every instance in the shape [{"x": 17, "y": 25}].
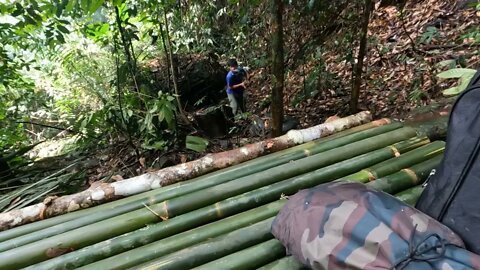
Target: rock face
[
  {"x": 201, "y": 79},
  {"x": 213, "y": 121}
]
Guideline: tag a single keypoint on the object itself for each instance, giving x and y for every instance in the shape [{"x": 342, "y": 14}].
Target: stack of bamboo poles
[{"x": 222, "y": 221}]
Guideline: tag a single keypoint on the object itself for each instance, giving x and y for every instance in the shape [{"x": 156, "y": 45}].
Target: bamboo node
[
  {"x": 412, "y": 174},
  {"x": 155, "y": 213},
  {"x": 218, "y": 209},
  {"x": 395, "y": 151},
  {"x": 283, "y": 197},
  {"x": 371, "y": 176}
]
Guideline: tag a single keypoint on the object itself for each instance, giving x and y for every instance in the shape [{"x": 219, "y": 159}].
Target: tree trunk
[
  {"x": 167, "y": 59},
  {"x": 211, "y": 162},
  {"x": 277, "y": 67},
  {"x": 173, "y": 69},
  {"x": 357, "y": 72},
  {"x": 126, "y": 44}
]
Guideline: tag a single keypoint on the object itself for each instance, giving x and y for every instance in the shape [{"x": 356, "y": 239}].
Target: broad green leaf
[
  {"x": 168, "y": 117},
  {"x": 196, "y": 144},
  {"x": 447, "y": 63},
  {"x": 29, "y": 20},
  {"x": 18, "y": 10},
  {"x": 84, "y": 5},
  {"x": 94, "y": 5},
  {"x": 463, "y": 83},
  {"x": 456, "y": 73},
  {"x": 34, "y": 14},
  {"x": 70, "y": 5},
  {"x": 452, "y": 91},
  {"x": 60, "y": 38},
  {"x": 63, "y": 29},
  {"x": 117, "y": 3},
  {"x": 154, "y": 109}
]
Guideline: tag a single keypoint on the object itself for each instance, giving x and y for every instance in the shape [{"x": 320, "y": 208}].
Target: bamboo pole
[
  {"x": 285, "y": 263},
  {"x": 189, "y": 255},
  {"x": 214, "y": 248},
  {"x": 411, "y": 195},
  {"x": 243, "y": 184},
  {"x": 167, "y": 176},
  {"x": 207, "y": 214},
  {"x": 397, "y": 163},
  {"x": 249, "y": 258},
  {"x": 406, "y": 178},
  {"x": 63, "y": 223},
  {"x": 184, "y": 239}
]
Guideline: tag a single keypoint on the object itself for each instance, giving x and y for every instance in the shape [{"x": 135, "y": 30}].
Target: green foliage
[
  {"x": 82, "y": 89},
  {"x": 311, "y": 87},
  {"x": 472, "y": 34},
  {"x": 196, "y": 144},
  {"x": 415, "y": 94},
  {"x": 464, "y": 75},
  {"x": 77, "y": 63},
  {"x": 30, "y": 31},
  {"x": 428, "y": 35}
]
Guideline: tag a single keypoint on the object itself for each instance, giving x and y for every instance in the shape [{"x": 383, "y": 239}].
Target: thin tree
[
  {"x": 358, "y": 68},
  {"x": 173, "y": 67},
  {"x": 277, "y": 67},
  {"x": 167, "y": 59}
]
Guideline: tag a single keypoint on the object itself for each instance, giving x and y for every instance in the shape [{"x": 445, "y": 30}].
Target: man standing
[{"x": 236, "y": 86}]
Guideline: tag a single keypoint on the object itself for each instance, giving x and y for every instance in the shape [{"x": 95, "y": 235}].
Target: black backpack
[{"x": 452, "y": 194}]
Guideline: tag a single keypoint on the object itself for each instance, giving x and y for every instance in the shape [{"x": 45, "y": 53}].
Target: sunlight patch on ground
[{"x": 53, "y": 148}]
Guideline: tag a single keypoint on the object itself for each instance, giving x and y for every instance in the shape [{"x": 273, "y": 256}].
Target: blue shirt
[{"x": 233, "y": 78}]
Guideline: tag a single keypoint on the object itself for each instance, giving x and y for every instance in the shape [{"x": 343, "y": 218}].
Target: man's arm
[
  {"x": 237, "y": 85},
  {"x": 234, "y": 86}
]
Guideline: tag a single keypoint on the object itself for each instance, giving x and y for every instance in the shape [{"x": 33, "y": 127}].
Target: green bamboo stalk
[
  {"x": 188, "y": 256},
  {"x": 246, "y": 259},
  {"x": 184, "y": 239},
  {"x": 176, "y": 242},
  {"x": 411, "y": 195},
  {"x": 192, "y": 256},
  {"x": 46, "y": 228},
  {"x": 406, "y": 178},
  {"x": 296, "y": 169},
  {"x": 184, "y": 222},
  {"x": 249, "y": 258},
  {"x": 285, "y": 263},
  {"x": 397, "y": 163},
  {"x": 215, "y": 248}
]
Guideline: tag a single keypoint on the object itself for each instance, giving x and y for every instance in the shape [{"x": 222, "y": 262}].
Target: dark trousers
[{"x": 238, "y": 95}]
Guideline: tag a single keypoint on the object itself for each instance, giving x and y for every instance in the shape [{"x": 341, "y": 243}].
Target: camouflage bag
[{"x": 350, "y": 226}]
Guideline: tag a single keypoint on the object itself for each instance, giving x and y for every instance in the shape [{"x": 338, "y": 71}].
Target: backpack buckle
[{"x": 432, "y": 173}]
